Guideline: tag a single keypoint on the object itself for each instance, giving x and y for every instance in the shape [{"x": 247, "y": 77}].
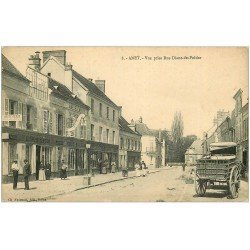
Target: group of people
[
  {"x": 44, "y": 171},
  {"x": 141, "y": 169},
  {"x": 15, "y": 167},
  {"x": 104, "y": 167}
]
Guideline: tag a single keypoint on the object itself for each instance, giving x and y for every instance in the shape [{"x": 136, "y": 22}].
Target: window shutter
[
  {"x": 24, "y": 116},
  {"x": 34, "y": 111},
  {"x": 50, "y": 122},
  {"x": 63, "y": 125},
  {"x": 45, "y": 121},
  {"x": 56, "y": 124},
  {"x": 6, "y": 110}
]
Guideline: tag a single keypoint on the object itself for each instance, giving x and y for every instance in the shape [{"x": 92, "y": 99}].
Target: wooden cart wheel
[
  {"x": 200, "y": 186},
  {"x": 234, "y": 182}
]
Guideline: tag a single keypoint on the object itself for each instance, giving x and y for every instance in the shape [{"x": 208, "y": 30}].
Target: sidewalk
[{"x": 44, "y": 190}]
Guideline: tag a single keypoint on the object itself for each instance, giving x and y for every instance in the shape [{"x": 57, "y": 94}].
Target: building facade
[
  {"x": 103, "y": 126},
  {"x": 194, "y": 152},
  {"x": 130, "y": 145},
  {"x": 50, "y": 123},
  {"x": 152, "y": 151}
]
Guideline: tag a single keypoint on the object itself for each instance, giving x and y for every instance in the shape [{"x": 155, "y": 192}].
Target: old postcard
[{"x": 126, "y": 124}]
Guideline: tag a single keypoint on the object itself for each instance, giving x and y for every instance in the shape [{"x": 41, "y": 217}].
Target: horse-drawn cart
[{"x": 220, "y": 169}]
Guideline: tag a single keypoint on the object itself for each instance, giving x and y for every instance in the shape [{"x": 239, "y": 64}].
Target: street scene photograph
[{"x": 124, "y": 124}]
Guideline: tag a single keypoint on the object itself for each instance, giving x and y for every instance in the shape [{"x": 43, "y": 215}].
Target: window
[
  {"x": 113, "y": 137},
  {"x": 92, "y": 106},
  {"x": 100, "y": 109},
  {"x": 92, "y": 132},
  {"x": 60, "y": 124},
  {"x": 135, "y": 145},
  {"x": 13, "y": 110},
  {"x": 107, "y": 134},
  {"x": 71, "y": 159},
  {"x": 107, "y": 112},
  {"x": 128, "y": 144},
  {"x": 28, "y": 117},
  {"x": 100, "y": 134},
  {"x": 83, "y": 129},
  {"x": 113, "y": 115}
]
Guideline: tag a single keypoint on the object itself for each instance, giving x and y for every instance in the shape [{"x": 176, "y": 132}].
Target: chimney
[
  {"x": 35, "y": 61},
  {"x": 140, "y": 119},
  {"x": 132, "y": 125},
  {"x": 90, "y": 79},
  {"x": 100, "y": 85},
  {"x": 60, "y": 55}
]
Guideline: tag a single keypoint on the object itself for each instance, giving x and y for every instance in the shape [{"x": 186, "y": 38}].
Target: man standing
[
  {"x": 26, "y": 174},
  {"x": 15, "y": 169}
]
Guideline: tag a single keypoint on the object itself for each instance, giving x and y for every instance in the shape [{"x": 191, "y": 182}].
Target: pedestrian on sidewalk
[
  {"x": 113, "y": 167},
  {"x": 124, "y": 171},
  {"x": 47, "y": 170},
  {"x": 64, "y": 170},
  {"x": 100, "y": 165},
  {"x": 104, "y": 167},
  {"x": 42, "y": 173},
  {"x": 144, "y": 168},
  {"x": 138, "y": 169},
  {"x": 26, "y": 174},
  {"x": 15, "y": 170},
  {"x": 183, "y": 167}
]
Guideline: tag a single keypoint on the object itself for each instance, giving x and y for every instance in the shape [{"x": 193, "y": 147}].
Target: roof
[
  {"x": 196, "y": 146},
  {"x": 92, "y": 87},
  {"x": 142, "y": 128},
  {"x": 123, "y": 124},
  {"x": 65, "y": 93},
  {"x": 8, "y": 67}
]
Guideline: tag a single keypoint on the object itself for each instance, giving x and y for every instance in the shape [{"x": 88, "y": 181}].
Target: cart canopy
[{"x": 225, "y": 148}]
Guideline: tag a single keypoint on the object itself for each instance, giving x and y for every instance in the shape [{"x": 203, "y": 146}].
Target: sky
[{"x": 153, "y": 82}]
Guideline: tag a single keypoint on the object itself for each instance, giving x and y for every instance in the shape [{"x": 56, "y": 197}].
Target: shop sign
[{"x": 12, "y": 118}]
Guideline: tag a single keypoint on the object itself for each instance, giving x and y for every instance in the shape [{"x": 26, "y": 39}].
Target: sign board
[{"x": 14, "y": 118}]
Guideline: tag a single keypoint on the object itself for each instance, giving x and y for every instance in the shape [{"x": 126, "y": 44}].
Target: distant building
[
  {"x": 153, "y": 148},
  {"x": 194, "y": 152},
  {"x": 220, "y": 117},
  {"x": 130, "y": 145}
]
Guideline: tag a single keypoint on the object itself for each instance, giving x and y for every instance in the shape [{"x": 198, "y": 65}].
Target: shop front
[
  {"x": 41, "y": 149},
  {"x": 133, "y": 158},
  {"x": 101, "y": 154}
]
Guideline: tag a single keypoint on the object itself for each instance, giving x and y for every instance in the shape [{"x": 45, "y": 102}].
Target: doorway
[{"x": 38, "y": 160}]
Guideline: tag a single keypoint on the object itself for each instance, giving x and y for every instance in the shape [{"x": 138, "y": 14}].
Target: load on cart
[{"x": 220, "y": 169}]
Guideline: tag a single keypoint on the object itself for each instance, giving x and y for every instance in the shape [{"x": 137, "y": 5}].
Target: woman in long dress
[
  {"x": 42, "y": 173},
  {"x": 64, "y": 170}
]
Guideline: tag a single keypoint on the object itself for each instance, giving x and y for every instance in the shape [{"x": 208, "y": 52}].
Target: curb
[{"x": 95, "y": 185}]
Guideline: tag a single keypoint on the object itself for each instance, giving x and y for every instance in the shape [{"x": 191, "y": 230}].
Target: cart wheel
[
  {"x": 234, "y": 182},
  {"x": 200, "y": 186}
]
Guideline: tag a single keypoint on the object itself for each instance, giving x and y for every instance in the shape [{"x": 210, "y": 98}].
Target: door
[{"x": 38, "y": 160}]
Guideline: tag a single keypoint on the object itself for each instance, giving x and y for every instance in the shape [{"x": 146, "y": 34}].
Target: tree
[{"x": 177, "y": 135}]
